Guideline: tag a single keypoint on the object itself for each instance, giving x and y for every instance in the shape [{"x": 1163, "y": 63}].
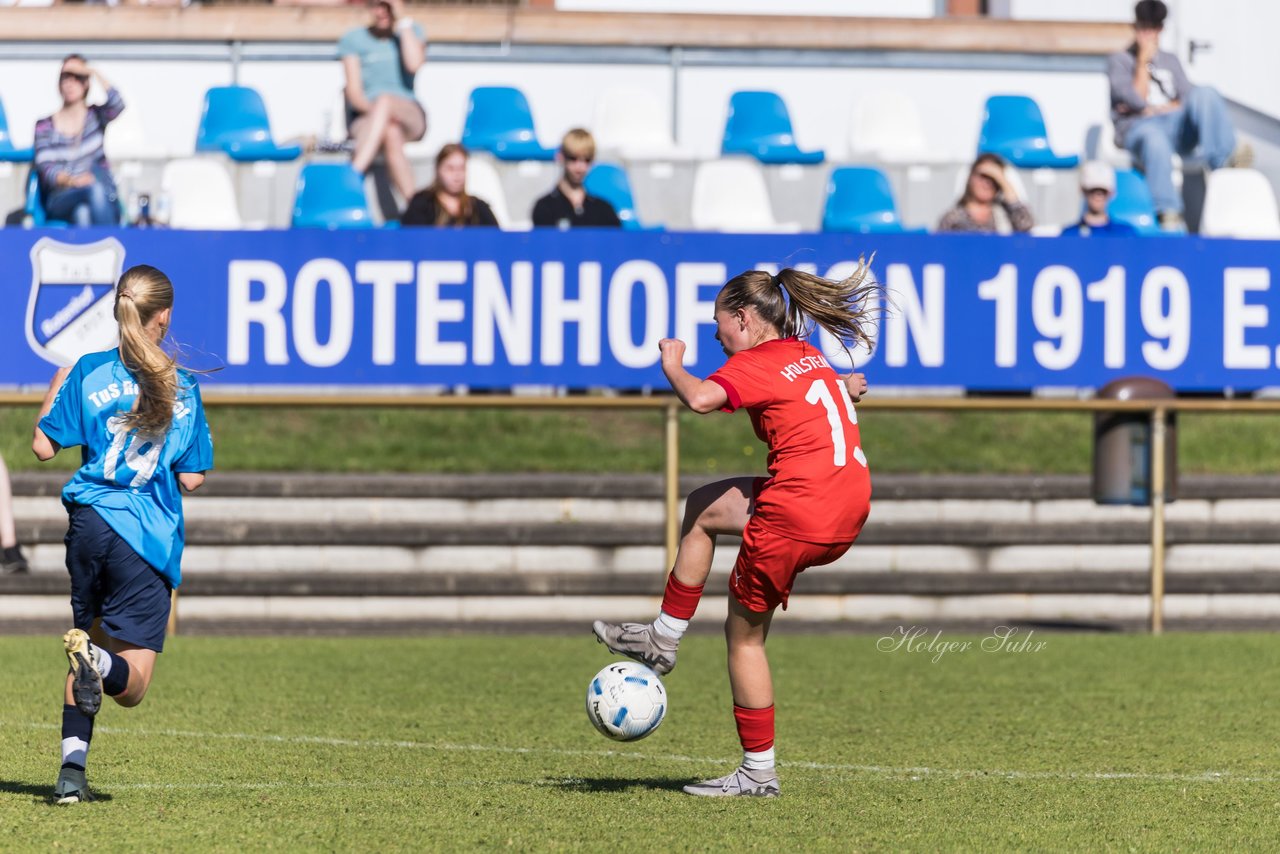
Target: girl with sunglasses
[{"x": 75, "y": 179}]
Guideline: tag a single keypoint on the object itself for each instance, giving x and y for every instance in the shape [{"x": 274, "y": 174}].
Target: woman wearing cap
[
  {"x": 75, "y": 179},
  {"x": 380, "y": 62},
  {"x": 990, "y": 204},
  {"x": 1098, "y": 184}
]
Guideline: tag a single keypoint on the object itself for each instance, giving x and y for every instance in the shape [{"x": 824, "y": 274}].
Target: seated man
[
  {"x": 1157, "y": 113},
  {"x": 568, "y": 205},
  {"x": 1098, "y": 183}
]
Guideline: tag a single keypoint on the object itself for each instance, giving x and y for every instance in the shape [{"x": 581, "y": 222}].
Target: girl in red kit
[{"x": 806, "y": 513}]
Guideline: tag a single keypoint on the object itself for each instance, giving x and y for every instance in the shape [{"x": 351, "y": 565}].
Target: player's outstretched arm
[
  {"x": 44, "y": 447},
  {"x": 699, "y": 395},
  {"x": 857, "y": 386}
]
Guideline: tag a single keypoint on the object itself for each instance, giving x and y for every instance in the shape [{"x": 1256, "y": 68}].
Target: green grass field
[
  {"x": 384, "y": 440},
  {"x": 479, "y": 742}
]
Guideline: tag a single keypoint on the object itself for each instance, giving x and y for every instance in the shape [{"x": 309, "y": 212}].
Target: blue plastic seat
[
  {"x": 8, "y": 153},
  {"x": 860, "y": 199},
  {"x": 500, "y": 122},
  {"x": 234, "y": 122},
  {"x": 609, "y": 182},
  {"x": 1132, "y": 202},
  {"x": 759, "y": 125},
  {"x": 34, "y": 207},
  {"x": 1013, "y": 127},
  {"x": 330, "y": 195}
]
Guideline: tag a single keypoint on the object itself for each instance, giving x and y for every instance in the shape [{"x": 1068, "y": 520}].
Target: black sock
[
  {"x": 114, "y": 683},
  {"x": 75, "y": 724}
]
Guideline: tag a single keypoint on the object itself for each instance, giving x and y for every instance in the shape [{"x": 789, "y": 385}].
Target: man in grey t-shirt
[{"x": 1157, "y": 112}]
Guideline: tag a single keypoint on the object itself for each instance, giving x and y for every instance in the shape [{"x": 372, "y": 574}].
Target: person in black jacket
[
  {"x": 446, "y": 202},
  {"x": 568, "y": 205}
]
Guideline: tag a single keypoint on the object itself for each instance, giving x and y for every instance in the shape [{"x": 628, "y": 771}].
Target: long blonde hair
[
  {"x": 794, "y": 300},
  {"x": 142, "y": 293}
]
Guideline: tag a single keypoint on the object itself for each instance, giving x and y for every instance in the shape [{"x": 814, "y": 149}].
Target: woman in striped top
[{"x": 74, "y": 176}]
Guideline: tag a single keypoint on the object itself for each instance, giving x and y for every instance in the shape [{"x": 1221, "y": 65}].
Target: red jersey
[{"x": 819, "y": 489}]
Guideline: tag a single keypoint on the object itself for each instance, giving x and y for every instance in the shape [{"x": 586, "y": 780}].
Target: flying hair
[
  {"x": 141, "y": 294},
  {"x": 794, "y": 301}
]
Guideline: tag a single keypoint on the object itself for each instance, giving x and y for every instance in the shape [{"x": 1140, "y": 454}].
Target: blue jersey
[{"x": 130, "y": 479}]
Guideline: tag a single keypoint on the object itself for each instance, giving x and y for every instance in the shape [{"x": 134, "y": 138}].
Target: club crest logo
[{"x": 70, "y": 310}]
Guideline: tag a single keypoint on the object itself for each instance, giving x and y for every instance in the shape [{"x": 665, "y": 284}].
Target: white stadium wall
[{"x": 850, "y": 8}]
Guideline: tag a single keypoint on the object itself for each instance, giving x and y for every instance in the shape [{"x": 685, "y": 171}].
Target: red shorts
[{"x": 768, "y": 564}]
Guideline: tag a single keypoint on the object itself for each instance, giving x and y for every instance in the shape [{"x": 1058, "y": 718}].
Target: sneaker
[
  {"x": 1241, "y": 158},
  {"x": 640, "y": 642},
  {"x": 86, "y": 683},
  {"x": 72, "y": 787},
  {"x": 13, "y": 563},
  {"x": 1171, "y": 221},
  {"x": 741, "y": 783}
]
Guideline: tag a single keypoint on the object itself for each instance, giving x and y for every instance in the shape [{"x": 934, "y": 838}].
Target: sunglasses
[
  {"x": 71, "y": 75},
  {"x": 575, "y": 158}
]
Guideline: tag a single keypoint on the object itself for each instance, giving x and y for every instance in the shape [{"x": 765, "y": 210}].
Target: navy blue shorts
[{"x": 110, "y": 581}]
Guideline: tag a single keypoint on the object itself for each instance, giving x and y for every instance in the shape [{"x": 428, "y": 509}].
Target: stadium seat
[
  {"x": 730, "y": 195},
  {"x": 126, "y": 138},
  {"x": 234, "y": 122},
  {"x": 330, "y": 195},
  {"x": 34, "y": 207},
  {"x": 484, "y": 182},
  {"x": 760, "y": 126},
  {"x": 860, "y": 199},
  {"x": 887, "y": 126},
  {"x": 1239, "y": 203},
  {"x": 200, "y": 194},
  {"x": 634, "y": 124},
  {"x": 500, "y": 122},
  {"x": 1013, "y": 127},
  {"x": 9, "y": 154},
  {"x": 1132, "y": 202},
  {"x": 609, "y": 182}
]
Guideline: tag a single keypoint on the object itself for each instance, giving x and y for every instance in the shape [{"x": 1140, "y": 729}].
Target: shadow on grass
[
  {"x": 618, "y": 784},
  {"x": 41, "y": 793}
]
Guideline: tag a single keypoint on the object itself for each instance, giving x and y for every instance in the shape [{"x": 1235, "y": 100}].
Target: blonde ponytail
[
  {"x": 142, "y": 293},
  {"x": 794, "y": 300}
]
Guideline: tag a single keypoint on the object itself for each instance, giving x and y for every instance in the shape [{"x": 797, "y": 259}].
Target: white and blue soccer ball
[{"x": 626, "y": 701}]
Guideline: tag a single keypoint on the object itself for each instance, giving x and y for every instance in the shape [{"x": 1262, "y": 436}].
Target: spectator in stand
[
  {"x": 1157, "y": 113},
  {"x": 990, "y": 204},
  {"x": 1098, "y": 183},
  {"x": 446, "y": 202},
  {"x": 568, "y": 205},
  {"x": 75, "y": 179},
  {"x": 380, "y": 62},
  {"x": 11, "y": 560}
]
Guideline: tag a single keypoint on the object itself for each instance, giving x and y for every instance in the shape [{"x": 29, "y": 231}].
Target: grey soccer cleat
[
  {"x": 638, "y": 641},
  {"x": 86, "y": 683},
  {"x": 741, "y": 783},
  {"x": 72, "y": 787}
]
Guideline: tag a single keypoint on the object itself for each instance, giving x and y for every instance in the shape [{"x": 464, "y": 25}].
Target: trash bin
[{"x": 1122, "y": 445}]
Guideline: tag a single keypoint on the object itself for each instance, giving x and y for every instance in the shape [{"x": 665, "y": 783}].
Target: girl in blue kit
[{"x": 140, "y": 423}]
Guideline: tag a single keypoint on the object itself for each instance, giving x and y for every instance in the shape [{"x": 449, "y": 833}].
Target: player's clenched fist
[{"x": 672, "y": 350}]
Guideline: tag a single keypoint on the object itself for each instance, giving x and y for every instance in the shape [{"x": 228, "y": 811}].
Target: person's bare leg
[
  {"x": 8, "y": 529},
  {"x": 398, "y": 165},
  {"x": 745, "y": 633},
  {"x": 370, "y": 133}
]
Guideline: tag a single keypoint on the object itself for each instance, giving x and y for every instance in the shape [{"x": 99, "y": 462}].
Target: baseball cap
[{"x": 1096, "y": 175}]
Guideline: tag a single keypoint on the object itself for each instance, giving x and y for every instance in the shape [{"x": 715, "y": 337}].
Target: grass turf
[
  {"x": 481, "y": 742},
  {"x": 487, "y": 440}
]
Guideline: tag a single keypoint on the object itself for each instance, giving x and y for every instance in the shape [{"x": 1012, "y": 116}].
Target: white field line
[{"x": 910, "y": 772}]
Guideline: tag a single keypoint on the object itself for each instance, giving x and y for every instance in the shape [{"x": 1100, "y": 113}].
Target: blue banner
[{"x": 490, "y": 309}]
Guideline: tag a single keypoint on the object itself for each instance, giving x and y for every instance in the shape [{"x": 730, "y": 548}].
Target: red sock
[
  {"x": 755, "y": 728},
  {"x": 680, "y": 600}
]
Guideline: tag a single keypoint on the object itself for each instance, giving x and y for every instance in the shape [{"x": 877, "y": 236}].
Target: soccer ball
[{"x": 626, "y": 701}]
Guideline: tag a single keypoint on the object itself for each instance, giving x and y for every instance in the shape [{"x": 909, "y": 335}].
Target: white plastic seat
[
  {"x": 201, "y": 195},
  {"x": 1239, "y": 203},
  {"x": 126, "y": 138},
  {"x": 731, "y": 195},
  {"x": 483, "y": 182},
  {"x": 887, "y": 126},
  {"x": 633, "y": 123}
]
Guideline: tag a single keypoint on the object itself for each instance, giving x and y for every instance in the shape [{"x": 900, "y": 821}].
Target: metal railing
[{"x": 1156, "y": 410}]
